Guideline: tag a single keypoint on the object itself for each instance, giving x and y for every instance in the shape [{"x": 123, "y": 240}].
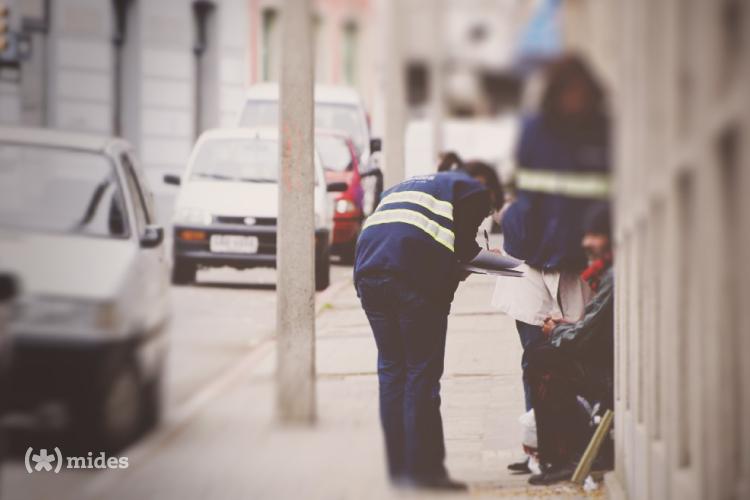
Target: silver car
[{"x": 77, "y": 230}]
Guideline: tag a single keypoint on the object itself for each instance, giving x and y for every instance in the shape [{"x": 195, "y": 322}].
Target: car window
[
  {"x": 142, "y": 217},
  {"x": 341, "y": 117},
  {"x": 53, "y": 189},
  {"x": 345, "y": 118},
  {"x": 147, "y": 197},
  {"x": 260, "y": 114},
  {"x": 334, "y": 152},
  {"x": 244, "y": 159}
]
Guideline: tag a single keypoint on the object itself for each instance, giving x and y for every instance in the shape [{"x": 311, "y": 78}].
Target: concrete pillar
[
  {"x": 436, "y": 79},
  {"x": 395, "y": 104},
  {"x": 295, "y": 312}
]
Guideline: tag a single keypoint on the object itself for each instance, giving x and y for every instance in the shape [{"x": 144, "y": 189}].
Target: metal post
[
  {"x": 395, "y": 103},
  {"x": 295, "y": 310},
  {"x": 436, "y": 79}
]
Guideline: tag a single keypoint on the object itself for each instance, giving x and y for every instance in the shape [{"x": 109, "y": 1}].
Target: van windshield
[{"x": 340, "y": 117}]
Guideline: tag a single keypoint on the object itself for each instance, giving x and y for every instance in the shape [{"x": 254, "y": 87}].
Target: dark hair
[
  {"x": 477, "y": 168},
  {"x": 560, "y": 75},
  {"x": 597, "y": 219},
  {"x": 448, "y": 161}
]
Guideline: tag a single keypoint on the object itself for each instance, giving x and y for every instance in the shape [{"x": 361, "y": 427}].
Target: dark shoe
[
  {"x": 441, "y": 483},
  {"x": 552, "y": 475},
  {"x": 520, "y": 467}
]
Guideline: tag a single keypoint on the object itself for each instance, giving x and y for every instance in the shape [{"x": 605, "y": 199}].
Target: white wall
[
  {"x": 81, "y": 66},
  {"x": 166, "y": 84},
  {"x": 682, "y": 110},
  {"x": 234, "y": 72},
  {"x": 158, "y": 75}
]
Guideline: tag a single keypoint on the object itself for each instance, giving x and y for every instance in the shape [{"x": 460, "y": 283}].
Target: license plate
[{"x": 230, "y": 243}]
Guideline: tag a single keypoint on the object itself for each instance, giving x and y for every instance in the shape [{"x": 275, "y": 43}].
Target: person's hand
[
  {"x": 549, "y": 325},
  {"x": 495, "y": 250}
]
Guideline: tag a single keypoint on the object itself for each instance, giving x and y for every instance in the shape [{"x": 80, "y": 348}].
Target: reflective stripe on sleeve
[
  {"x": 573, "y": 184},
  {"x": 438, "y": 207},
  {"x": 440, "y": 234}
]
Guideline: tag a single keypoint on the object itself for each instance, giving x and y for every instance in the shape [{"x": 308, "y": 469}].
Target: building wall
[
  {"x": 332, "y": 18},
  {"x": 678, "y": 74},
  {"x": 76, "y": 64}
]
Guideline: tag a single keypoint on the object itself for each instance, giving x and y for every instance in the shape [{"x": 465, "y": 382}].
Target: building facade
[
  {"x": 679, "y": 78},
  {"x": 344, "y": 37},
  {"x": 156, "y": 73}
]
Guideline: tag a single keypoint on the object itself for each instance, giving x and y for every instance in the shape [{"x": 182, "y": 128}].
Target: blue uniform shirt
[
  {"x": 420, "y": 231},
  {"x": 560, "y": 175}
]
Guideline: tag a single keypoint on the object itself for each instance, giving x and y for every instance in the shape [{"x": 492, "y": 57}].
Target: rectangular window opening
[
  {"x": 728, "y": 150},
  {"x": 686, "y": 214}
]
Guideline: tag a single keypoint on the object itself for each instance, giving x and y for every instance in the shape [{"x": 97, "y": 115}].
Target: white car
[
  {"x": 337, "y": 108},
  {"x": 89, "y": 337},
  {"x": 227, "y": 207}
]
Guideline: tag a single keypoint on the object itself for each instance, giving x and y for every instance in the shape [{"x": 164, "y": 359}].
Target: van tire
[{"x": 322, "y": 269}]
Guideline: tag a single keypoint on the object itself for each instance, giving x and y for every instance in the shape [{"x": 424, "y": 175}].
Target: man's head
[
  {"x": 485, "y": 174},
  {"x": 597, "y": 238}
]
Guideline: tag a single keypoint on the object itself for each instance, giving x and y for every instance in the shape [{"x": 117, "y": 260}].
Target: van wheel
[
  {"x": 323, "y": 269},
  {"x": 183, "y": 273}
]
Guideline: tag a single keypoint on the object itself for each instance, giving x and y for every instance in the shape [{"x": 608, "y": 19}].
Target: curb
[{"x": 177, "y": 420}]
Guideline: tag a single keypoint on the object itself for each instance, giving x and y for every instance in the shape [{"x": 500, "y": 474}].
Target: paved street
[
  {"x": 219, "y": 439},
  {"x": 215, "y": 324}
]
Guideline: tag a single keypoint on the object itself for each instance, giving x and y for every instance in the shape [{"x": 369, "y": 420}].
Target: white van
[{"x": 337, "y": 108}]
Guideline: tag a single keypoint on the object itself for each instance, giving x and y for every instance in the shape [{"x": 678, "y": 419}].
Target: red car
[{"x": 339, "y": 158}]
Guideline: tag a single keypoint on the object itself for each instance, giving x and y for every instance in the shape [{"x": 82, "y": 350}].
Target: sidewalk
[{"x": 229, "y": 446}]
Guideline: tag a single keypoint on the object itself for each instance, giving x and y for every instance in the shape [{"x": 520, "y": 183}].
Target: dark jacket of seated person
[{"x": 577, "y": 360}]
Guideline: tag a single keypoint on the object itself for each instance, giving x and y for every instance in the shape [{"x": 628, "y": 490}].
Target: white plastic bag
[{"x": 528, "y": 421}]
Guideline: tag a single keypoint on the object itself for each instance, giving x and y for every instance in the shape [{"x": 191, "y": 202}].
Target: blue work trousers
[{"x": 409, "y": 331}]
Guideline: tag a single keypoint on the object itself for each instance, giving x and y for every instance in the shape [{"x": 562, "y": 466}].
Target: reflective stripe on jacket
[
  {"x": 412, "y": 233},
  {"x": 561, "y": 175},
  {"x": 572, "y": 184}
]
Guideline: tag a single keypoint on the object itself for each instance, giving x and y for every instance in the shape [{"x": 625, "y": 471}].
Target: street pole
[
  {"x": 436, "y": 80},
  {"x": 295, "y": 309},
  {"x": 395, "y": 92}
]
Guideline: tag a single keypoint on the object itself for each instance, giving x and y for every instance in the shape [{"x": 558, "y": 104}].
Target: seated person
[{"x": 576, "y": 359}]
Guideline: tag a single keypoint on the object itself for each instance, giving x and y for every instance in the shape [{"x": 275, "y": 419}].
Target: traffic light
[{"x": 4, "y": 26}]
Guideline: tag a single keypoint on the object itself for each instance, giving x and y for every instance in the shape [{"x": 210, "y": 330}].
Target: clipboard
[{"x": 487, "y": 262}]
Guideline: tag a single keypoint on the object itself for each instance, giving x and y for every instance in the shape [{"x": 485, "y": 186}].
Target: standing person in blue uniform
[
  {"x": 406, "y": 272},
  {"x": 563, "y": 163}
]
